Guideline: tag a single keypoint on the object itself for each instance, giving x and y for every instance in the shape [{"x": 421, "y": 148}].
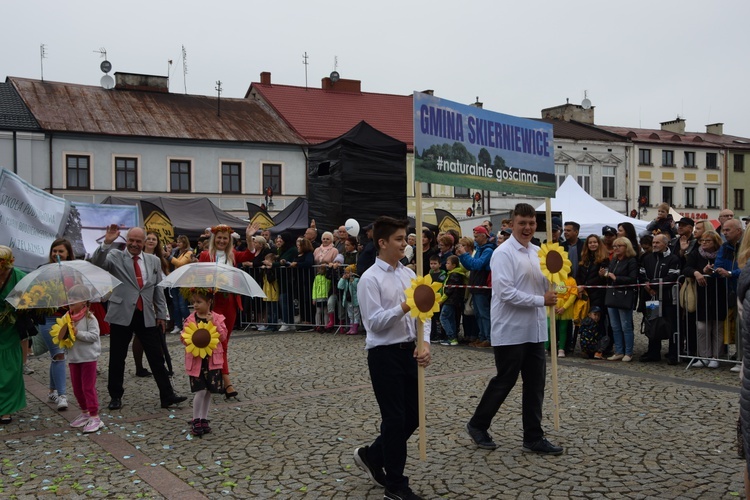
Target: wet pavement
[{"x": 630, "y": 430}]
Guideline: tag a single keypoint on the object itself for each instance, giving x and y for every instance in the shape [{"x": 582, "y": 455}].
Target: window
[
  {"x": 179, "y": 176},
  {"x": 272, "y": 177},
  {"x": 561, "y": 172},
  {"x": 230, "y": 178},
  {"x": 608, "y": 182},
  {"x": 739, "y": 163},
  {"x": 667, "y": 195},
  {"x": 739, "y": 199},
  {"x": 689, "y": 197},
  {"x": 460, "y": 192},
  {"x": 126, "y": 174},
  {"x": 426, "y": 189},
  {"x": 711, "y": 198},
  {"x": 667, "y": 158},
  {"x": 584, "y": 177},
  {"x": 77, "y": 171},
  {"x": 645, "y": 193},
  {"x": 644, "y": 157},
  {"x": 690, "y": 159},
  {"x": 711, "y": 161}
]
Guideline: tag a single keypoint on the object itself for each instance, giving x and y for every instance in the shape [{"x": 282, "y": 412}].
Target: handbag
[
  {"x": 688, "y": 295},
  {"x": 469, "y": 307},
  {"x": 620, "y": 298}
]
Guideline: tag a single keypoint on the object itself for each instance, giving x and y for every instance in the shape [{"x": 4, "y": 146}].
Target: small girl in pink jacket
[{"x": 205, "y": 373}]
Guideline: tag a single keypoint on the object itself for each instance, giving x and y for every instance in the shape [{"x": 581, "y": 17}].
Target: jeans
[
  {"x": 286, "y": 304},
  {"x": 621, "y": 321},
  {"x": 448, "y": 320},
  {"x": 482, "y": 313},
  {"x": 272, "y": 313},
  {"x": 180, "y": 309},
  {"x": 510, "y": 360},
  {"x": 57, "y": 366}
]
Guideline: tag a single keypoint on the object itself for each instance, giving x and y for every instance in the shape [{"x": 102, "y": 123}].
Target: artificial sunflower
[
  {"x": 201, "y": 339},
  {"x": 63, "y": 332},
  {"x": 554, "y": 262},
  {"x": 423, "y": 297}
]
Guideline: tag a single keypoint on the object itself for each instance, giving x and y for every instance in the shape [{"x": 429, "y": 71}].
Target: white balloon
[{"x": 352, "y": 227}]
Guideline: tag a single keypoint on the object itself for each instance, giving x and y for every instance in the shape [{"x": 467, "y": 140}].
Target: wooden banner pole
[
  {"x": 553, "y": 332},
  {"x": 420, "y": 326}
]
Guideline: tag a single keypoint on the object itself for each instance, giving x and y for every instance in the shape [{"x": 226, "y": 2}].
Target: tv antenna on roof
[
  {"x": 184, "y": 68},
  {"x": 42, "y": 57},
  {"x": 335, "y": 74},
  {"x": 304, "y": 61},
  {"x": 586, "y": 103},
  {"x": 107, "y": 82}
]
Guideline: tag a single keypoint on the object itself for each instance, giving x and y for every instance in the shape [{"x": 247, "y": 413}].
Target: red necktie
[{"x": 139, "y": 279}]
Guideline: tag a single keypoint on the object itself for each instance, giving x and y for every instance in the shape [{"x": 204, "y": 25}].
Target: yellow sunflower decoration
[
  {"x": 63, "y": 332},
  {"x": 554, "y": 262},
  {"x": 423, "y": 297},
  {"x": 200, "y": 339}
]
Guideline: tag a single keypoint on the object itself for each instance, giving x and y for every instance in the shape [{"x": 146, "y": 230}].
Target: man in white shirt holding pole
[{"x": 520, "y": 293}]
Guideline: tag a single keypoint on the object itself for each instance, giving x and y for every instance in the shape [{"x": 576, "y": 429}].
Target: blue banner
[{"x": 460, "y": 145}]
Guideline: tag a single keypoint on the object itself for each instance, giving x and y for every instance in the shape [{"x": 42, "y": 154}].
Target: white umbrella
[
  {"x": 214, "y": 276},
  {"x": 47, "y": 286}
]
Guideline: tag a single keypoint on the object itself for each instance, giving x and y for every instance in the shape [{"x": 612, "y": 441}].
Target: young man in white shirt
[
  {"x": 520, "y": 293},
  {"x": 392, "y": 358}
]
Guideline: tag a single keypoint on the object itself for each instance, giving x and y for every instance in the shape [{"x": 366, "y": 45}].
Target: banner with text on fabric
[
  {"x": 31, "y": 219},
  {"x": 460, "y": 145}
]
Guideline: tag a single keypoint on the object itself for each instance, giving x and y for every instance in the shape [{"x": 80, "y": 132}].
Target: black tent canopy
[
  {"x": 359, "y": 175},
  {"x": 188, "y": 216}
]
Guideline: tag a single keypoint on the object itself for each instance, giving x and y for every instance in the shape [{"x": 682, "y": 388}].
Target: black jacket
[
  {"x": 663, "y": 266},
  {"x": 588, "y": 275}
]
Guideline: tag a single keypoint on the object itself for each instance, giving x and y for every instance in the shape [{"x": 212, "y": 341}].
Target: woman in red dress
[{"x": 221, "y": 250}]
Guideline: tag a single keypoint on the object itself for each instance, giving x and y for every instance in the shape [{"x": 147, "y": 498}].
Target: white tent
[{"x": 578, "y": 206}]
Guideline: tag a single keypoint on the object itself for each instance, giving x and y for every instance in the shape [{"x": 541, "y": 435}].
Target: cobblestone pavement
[{"x": 630, "y": 430}]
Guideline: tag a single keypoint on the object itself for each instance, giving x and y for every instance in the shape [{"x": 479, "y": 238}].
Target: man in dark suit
[{"x": 137, "y": 307}]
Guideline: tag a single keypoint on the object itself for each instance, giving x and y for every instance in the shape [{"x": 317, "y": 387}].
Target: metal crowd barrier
[
  {"x": 712, "y": 331},
  {"x": 294, "y": 307}
]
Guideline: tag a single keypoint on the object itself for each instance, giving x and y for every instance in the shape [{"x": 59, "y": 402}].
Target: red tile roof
[
  {"x": 68, "y": 107},
  {"x": 658, "y": 136},
  {"x": 319, "y": 115}
]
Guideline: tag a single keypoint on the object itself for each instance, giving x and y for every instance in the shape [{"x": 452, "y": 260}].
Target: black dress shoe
[
  {"x": 142, "y": 373},
  {"x": 172, "y": 400},
  {"x": 115, "y": 404}
]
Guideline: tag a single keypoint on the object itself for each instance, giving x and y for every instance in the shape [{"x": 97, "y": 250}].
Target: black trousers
[
  {"x": 669, "y": 312},
  {"x": 528, "y": 360},
  {"x": 393, "y": 372},
  {"x": 119, "y": 341}
]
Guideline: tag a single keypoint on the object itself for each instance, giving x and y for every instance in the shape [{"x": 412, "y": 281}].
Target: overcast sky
[{"x": 642, "y": 62}]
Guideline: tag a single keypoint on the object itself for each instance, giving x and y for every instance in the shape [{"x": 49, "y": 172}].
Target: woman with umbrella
[
  {"x": 12, "y": 390},
  {"x": 220, "y": 250},
  {"x": 60, "y": 249}
]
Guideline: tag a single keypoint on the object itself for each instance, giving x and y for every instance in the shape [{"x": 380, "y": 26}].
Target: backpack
[
  {"x": 589, "y": 336},
  {"x": 581, "y": 309}
]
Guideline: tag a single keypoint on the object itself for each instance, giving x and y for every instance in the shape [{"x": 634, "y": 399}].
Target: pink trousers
[{"x": 83, "y": 378}]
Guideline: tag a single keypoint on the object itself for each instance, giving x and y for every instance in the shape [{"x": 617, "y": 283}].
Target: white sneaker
[
  {"x": 560, "y": 353},
  {"x": 80, "y": 420},
  {"x": 713, "y": 364},
  {"x": 62, "y": 402},
  {"x": 27, "y": 370},
  {"x": 262, "y": 328},
  {"x": 52, "y": 397},
  {"x": 698, "y": 363},
  {"x": 176, "y": 329},
  {"x": 93, "y": 425},
  {"x": 735, "y": 369},
  {"x": 288, "y": 328},
  {"x": 627, "y": 358}
]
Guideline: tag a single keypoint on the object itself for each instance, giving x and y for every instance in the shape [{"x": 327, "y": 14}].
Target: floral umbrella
[{"x": 47, "y": 286}]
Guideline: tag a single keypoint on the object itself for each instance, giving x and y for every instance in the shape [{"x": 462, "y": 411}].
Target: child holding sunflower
[
  {"x": 203, "y": 334},
  {"x": 84, "y": 348}
]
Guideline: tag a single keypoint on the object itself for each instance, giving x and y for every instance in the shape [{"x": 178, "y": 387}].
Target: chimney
[
  {"x": 342, "y": 85},
  {"x": 715, "y": 128},
  {"x": 428, "y": 92},
  {"x": 147, "y": 83},
  {"x": 265, "y": 78},
  {"x": 677, "y": 126},
  {"x": 568, "y": 112},
  {"x": 477, "y": 104}
]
